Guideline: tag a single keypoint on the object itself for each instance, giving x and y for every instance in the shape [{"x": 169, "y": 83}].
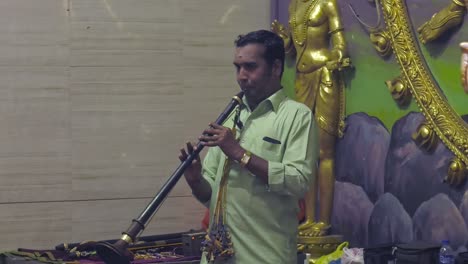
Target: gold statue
[
  {"x": 315, "y": 36},
  {"x": 447, "y": 18}
]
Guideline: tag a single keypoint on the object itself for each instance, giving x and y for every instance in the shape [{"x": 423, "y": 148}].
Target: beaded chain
[
  {"x": 218, "y": 243},
  {"x": 302, "y": 37}
]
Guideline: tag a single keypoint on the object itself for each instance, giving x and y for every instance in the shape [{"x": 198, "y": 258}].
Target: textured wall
[{"x": 97, "y": 96}]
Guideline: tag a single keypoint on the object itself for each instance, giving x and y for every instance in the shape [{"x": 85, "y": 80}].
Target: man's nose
[{"x": 242, "y": 74}]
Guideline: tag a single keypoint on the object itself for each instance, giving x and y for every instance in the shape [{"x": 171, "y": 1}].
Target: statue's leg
[
  {"x": 326, "y": 186},
  {"x": 306, "y": 91},
  {"x": 327, "y": 115},
  {"x": 449, "y": 17},
  {"x": 326, "y": 180},
  {"x": 310, "y": 208}
]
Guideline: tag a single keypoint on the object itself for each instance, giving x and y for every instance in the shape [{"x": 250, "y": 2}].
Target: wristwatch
[{"x": 245, "y": 158}]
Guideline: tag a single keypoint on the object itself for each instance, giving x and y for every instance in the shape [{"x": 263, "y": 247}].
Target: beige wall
[{"x": 96, "y": 98}]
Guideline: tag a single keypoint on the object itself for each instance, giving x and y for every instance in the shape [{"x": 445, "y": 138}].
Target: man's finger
[
  {"x": 183, "y": 155},
  {"x": 209, "y": 143},
  {"x": 209, "y": 131},
  {"x": 204, "y": 138},
  {"x": 189, "y": 147},
  {"x": 216, "y": 126}
]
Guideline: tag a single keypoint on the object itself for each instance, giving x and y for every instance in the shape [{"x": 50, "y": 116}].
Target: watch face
[{"x": 245, "y": 159}]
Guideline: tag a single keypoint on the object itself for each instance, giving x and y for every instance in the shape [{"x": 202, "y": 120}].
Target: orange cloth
[{"x": 206, "y": 219}]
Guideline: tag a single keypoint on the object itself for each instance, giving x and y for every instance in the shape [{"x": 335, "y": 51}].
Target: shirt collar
[{"x": 274, "y": 100}]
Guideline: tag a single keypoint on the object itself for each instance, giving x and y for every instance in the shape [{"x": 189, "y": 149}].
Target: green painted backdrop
[{"x": 365, "y": 85}]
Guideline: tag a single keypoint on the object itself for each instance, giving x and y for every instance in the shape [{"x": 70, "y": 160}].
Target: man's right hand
[{"x": 193, "y": 172}]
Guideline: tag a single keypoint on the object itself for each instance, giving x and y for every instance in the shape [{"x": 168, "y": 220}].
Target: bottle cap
[
  {"x": 445, "y": 242},
  {"x": 307, "y": 258}
]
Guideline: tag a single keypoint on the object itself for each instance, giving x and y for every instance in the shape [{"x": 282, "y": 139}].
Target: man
[{"x": 273, "y": 158}]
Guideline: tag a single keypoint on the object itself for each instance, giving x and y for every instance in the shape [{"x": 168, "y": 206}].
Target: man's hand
[
  {"x": 217, "y": 135},
  {"x": 193, "y": 172}
]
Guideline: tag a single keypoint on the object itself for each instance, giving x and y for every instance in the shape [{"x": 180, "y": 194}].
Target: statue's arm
[{"x": 339, "y": 49}]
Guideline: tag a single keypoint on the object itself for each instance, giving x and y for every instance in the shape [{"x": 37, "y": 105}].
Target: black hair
[{"x": 274, "y": 45}]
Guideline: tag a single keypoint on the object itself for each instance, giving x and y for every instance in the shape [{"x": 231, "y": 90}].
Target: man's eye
[{"x": 250, "y": 66}]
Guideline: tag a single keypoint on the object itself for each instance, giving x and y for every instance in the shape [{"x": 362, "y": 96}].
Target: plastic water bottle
[{"x": 446, "y": 253}]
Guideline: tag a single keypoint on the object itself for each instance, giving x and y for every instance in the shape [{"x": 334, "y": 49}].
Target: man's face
[{"x": 254, "y": 76}]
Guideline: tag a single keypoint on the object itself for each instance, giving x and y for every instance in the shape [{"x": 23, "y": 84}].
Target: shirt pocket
[{"x": 271, "y": 149}]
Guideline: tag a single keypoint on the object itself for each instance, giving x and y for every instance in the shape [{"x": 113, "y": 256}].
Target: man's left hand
[{"x": 217, "y": 135}]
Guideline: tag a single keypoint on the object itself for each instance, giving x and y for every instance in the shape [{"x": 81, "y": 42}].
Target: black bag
[
  {"x": 462, "y": 258},
  {"x": 379, "y": 254},
  {"x": 417, "y": 252}
]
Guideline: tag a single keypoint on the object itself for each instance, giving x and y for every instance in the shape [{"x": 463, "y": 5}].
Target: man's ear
[{"x": 276, "y": 69}]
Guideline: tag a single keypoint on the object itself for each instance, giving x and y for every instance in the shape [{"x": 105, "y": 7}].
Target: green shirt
[{"x": 262, "y": 218}]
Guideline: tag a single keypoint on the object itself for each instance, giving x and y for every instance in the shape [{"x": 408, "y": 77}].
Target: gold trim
[
  {"x": 459, "y": 3},
  {"x": 381, "y": 42},
  {"x": 425, "y": 138},
  {"x": 335, "y": 31},
  {"x": 127, "y": 238},
  {"x": 399, "y": 90},
  {"x": 456, "y": 172},
  {"x": 440, "y": 116},
  {"x": 238, "y": 99}
]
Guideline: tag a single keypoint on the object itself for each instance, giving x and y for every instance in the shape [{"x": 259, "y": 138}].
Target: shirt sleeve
[
  {"x": 293, "y": 175},
  {"x": 209, "y": 169},
  {"x": 211, "y": 164}
]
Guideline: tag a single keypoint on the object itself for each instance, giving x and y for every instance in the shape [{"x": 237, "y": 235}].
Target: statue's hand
[
  {"x": 338, "y": 64},
  {"x": 440, "y": 22},
  {"x": 279, "y": 28},
  {"x": 281, "y": 31}
]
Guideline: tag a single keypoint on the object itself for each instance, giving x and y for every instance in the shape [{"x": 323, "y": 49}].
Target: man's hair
[{"x": 274, "y": 45}]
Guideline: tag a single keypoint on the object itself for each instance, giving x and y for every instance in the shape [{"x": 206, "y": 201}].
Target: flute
[{"x": 117, "y": 252}]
